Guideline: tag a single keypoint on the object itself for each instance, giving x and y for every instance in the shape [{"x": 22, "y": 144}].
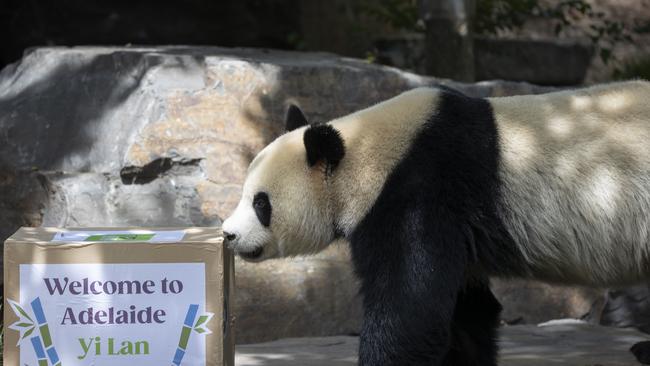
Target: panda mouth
[{"x": 254, "y": 254}]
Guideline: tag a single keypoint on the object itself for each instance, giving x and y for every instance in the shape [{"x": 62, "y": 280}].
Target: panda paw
[{"x": 641, "y": 351}]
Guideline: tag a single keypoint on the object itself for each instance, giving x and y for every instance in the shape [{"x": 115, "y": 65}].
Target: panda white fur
[{"x": 435, "y": 191}]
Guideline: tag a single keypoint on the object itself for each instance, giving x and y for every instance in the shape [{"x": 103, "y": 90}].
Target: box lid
[{"x": 57, "y": 236}]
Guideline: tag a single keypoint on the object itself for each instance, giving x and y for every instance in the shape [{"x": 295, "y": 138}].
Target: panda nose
[{"x": 229, "y": 236}]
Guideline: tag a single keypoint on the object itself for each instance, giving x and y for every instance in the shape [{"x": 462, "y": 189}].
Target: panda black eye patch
[{"x": 262, "y": 207}]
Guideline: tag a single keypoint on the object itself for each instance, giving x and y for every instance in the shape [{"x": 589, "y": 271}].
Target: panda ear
[
  {"x": 294, "y": 119},
  {"x": 323, "y": 144}
]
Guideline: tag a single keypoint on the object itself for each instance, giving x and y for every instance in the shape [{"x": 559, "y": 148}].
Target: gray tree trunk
[{"x": 449, "y": 46}]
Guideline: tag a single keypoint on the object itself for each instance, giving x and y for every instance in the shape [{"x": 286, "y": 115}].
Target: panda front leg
[
  {"x": 391, "y": 336},
  {"x": 410, "y": 279},
  {"x": 474, "y": 329}
]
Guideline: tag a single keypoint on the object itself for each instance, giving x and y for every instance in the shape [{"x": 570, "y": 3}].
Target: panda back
[{"x": 575, "y": 181}]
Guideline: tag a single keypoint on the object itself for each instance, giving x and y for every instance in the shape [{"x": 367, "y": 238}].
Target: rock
[
  {"x": 521, "y": 301},
  {"x": 521, "y": 345},
  {"x": 405, "y": 51},
  {"x": 543, "y": 62},
  {"x": 307, "y": 297},
  {"x": 627, "y": 307},
  {"x": 22, "y": 196},
  {"x": 162, "y": 136},
  {"x": 536, "y": 61}
]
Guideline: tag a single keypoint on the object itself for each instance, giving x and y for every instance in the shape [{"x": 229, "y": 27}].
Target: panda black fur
[
  {"x": 435, "y": 191},
  {"x": 434, "y": 219}
]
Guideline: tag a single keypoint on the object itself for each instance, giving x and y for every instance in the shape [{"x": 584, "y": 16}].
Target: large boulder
[{"x": 162, "y": 136}]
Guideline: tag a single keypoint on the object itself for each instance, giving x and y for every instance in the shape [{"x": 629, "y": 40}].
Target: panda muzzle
[{"x": 251, "y": 255}]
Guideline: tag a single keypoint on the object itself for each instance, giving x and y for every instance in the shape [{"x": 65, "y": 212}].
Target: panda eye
[{"x": 262, "y": 208}]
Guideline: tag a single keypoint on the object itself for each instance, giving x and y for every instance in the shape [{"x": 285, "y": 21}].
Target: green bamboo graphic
[
  {"x": 39, "y": 351},
  {"x": 185, "y": 334},
  {"x": 44, "y": 329},
  {"x": 200, "y": 327}
]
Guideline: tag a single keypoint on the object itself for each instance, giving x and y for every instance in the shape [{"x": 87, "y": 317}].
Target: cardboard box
[{"x": 112, "y": 296}]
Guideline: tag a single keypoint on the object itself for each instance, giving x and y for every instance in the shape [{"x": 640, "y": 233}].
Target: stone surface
[
  {"x": 543, "y": 62},
  {"x": 627, "y": 307},
  {"x": 315, "y": 351},
  {"x": 162, "y": 136},
  {"x": 521, "y": 300},
  {"x": 521, "y": 345},
  {"x": 22, "y": 198},
  {"x": 568, "y": 344},
  {"x": 546, "y": 62}
]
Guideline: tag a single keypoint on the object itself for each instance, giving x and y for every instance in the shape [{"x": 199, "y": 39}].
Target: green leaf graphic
[
  {"x": 201, "y": 325},
  {"x": 201, "y": 320},
  {"x": 23, "y": 312},
  {"x": 27, "y": 333}
]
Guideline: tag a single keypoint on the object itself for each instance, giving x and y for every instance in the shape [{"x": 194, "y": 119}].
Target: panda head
[{"x": 285, "y": 208}]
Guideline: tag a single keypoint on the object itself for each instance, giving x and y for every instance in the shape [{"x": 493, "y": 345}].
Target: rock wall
[{"x": 162, "y": 136}]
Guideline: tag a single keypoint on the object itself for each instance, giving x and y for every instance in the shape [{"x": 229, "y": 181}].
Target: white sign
[
  {"x": 112, "y": 314},
  {"x": 157, "y": 236}
]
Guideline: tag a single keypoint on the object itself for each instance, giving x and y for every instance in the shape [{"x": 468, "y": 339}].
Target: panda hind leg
[{"x": 474, "y": 328}]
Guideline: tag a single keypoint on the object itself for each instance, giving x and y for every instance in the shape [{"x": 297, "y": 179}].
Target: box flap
[{"x": 57, "y": 236}]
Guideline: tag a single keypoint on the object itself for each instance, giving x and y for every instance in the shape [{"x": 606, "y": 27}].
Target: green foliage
[
  {"x": 399, "y": 14},
  {"x": 641, "y": 26},
  {"x": 497, "y": 16},
  {"x": 296, "y": 41},
  {"x": 494, "y": 16},
  {"x": 636, "y": 69},
  {"x": 371, "y": 57}
]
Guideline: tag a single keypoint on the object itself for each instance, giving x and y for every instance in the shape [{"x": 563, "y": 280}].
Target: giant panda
[{"x": 436, "y": 191}]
